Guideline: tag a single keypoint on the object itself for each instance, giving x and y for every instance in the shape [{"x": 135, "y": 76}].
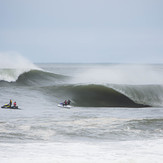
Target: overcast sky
[{"x": 83, "y": 30}]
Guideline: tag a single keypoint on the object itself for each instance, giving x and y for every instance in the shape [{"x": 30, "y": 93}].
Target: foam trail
[{"x": 12, "y": 65}]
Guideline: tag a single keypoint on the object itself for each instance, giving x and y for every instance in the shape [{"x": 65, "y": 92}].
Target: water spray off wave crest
[
  {"x": 12, "y": 65},
  {"x": 122, "y": 74}
]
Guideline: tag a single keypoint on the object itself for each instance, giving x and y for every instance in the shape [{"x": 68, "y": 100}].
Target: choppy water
[{"x": 117, "y": 113}]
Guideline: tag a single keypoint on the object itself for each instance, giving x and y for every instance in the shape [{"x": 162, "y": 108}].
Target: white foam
[{"x": 81, "y": 152}]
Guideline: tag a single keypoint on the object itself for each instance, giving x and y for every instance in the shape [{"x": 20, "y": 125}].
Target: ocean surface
[{"x": 116, "y": 114}]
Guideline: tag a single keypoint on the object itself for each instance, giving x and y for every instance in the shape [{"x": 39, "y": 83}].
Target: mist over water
[
  {"x": 116, "y": 112},
  {"x": 122, "y": 74},
  {"x": 12, "y": 65}
]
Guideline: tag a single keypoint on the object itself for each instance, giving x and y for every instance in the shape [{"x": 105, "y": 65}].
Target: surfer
[
  {"x": 65, "y": 102},
  {"x": 10, "y": 103},
  {"x": 15, "y": 104},
  {"x": 68, "y": 102}
]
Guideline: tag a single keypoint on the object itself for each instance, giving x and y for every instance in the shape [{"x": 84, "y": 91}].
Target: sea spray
[
  {"x": 12, "y": 65},
  {"x": 120, "y": 74}
]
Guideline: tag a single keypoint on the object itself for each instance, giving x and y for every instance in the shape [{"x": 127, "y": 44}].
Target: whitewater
[{"x": 117, "y": 113}]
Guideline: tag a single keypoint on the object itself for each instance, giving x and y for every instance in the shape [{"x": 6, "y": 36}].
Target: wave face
[
  {"x": 113, "y": 92},
  {"x": 109, "y": 96},
  {"x": 93, "y": 96}
]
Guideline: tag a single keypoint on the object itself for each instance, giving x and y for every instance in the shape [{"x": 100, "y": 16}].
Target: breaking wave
[
  {"x": 108, "y": 96},
  {"x": 12, "y": 65},
  {"x": 29, "y": 78},
  {"x": 89, "y": 95},
  {"x": 84, "y": 94}
]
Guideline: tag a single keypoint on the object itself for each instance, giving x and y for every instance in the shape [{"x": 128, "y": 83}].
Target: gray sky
[{"x": 83, "y": 30}]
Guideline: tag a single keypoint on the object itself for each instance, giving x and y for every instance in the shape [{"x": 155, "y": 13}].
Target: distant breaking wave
[
  {"x": 11, "y": 75},
  {"x": 12, "y": 65},
  {"x": 36, "y": 77},
  {"x": 29, "y": 78}
]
